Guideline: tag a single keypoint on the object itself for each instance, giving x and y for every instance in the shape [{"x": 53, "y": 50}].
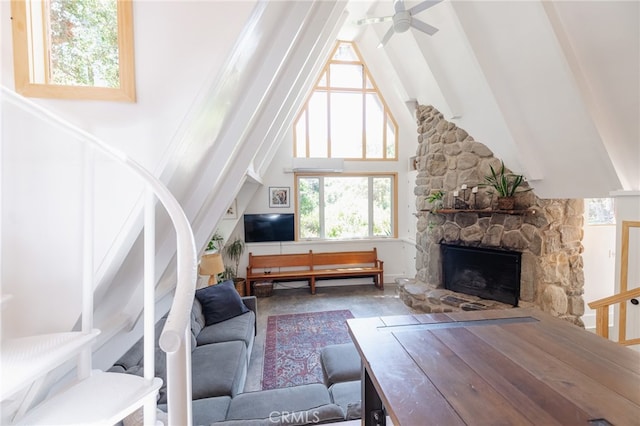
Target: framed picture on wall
[
  {"x": 279, "y": 196},
  {"x": 231, "y": 212}
]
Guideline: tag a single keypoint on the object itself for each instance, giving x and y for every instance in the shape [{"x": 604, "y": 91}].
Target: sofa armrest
[{"x": 251, "y": 302}]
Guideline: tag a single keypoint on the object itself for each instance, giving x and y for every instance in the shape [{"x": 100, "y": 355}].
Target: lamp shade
[{"x": 212, "y": 265}]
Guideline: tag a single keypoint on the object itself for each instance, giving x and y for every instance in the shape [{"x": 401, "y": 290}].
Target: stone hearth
[
  {"x": 548, "y": 232},
  {"x": 438, "y": 300}
]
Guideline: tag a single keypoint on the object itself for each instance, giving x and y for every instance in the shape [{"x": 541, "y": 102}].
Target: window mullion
[
  {"x": 384, "y": 132},
  {"x": 321, "y": 206},
  {"x": 364, "y": 114},
  {"x": 46, "y": 40},
  {"x": 371, "y": 203},
  {"x": 328, "y": 111},
  {"x": 307, "y": 143}
]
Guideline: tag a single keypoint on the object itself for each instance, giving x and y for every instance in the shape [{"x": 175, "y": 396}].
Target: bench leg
[
  {"x": 247, "y": 288},
  {"x": 312, "y": 282}
]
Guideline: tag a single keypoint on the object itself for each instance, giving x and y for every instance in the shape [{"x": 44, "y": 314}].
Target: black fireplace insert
[{"x": 486, "y": 273}]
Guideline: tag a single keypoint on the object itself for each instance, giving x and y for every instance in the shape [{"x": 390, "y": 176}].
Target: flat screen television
[{"x": 265, "y": 227}]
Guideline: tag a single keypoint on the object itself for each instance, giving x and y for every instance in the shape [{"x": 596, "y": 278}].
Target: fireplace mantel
[{"x": 481, "y": 211}]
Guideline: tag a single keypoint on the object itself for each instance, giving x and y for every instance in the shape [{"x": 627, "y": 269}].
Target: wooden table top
[{"x": 515, "y": 366}]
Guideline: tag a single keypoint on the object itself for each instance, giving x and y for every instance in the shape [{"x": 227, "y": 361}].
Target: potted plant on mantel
[
  {"x": 233, "y": 251},
  {"x": 506, "y": 185},
  {"x": 436, "y": 199}
]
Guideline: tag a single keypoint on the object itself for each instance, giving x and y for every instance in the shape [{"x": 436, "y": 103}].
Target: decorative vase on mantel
[{"x": 506, "y": 203}]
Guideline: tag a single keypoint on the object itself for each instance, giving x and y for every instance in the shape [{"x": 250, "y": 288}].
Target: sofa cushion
[
  {"x": 208, "y": 410},
  {"x": 197, "y": 318},
  {"x": 220, "y": 302},
  {"x": 328, "y": 413},
  {"x": 340, "y": 363},
  {"x": 218, "y": 369},
  {"x": 262, "y": 404},
  {"x": 348, "y": 396},
  {"x": 240, "y": 327},
  {"x": 132, "y": 362}
]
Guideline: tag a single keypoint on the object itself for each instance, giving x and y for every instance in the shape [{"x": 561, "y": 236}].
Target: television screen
[{"x": 268, "y": 227}]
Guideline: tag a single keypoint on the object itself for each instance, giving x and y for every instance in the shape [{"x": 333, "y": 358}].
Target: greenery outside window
[
  {"x": 346, "y": 206},
  {"x": 346, "y": 116},
  {"x": 74, "y": 49},
  {"x": 600, "y": 211}
]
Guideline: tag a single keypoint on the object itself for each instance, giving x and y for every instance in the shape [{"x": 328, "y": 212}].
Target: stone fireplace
[
  {"x": 545, "y": 233},
  {"x": 478, "y": 271}
]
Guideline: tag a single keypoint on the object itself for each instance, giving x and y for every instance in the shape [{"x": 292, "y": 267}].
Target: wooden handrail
[
  {"x": 601, "y": 307},
  {"x": 616, "y": 298}
]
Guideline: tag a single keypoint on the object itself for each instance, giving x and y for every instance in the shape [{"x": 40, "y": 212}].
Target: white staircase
[
  {"x": 101, "y": 399},
  {"x": 27, "y": 359},
  {"x": 96, "y": 397}
]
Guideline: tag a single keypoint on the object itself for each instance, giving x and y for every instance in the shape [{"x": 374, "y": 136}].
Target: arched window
[
  {"x": 74, "y": 49},
  {"x": 345, "y": 116}
]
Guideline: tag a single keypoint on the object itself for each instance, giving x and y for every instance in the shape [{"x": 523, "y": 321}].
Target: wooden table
[{"x": 515, "y": 367}]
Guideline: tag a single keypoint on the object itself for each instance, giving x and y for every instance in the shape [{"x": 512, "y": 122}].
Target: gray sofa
[{"x": 220, "y": 358}]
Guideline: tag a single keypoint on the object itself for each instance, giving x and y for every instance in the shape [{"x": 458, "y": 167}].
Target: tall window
[
  {"x": 346, "y": 206},
  {"x": 345, "y": 115},
  {"x": 74, "y": 49}
]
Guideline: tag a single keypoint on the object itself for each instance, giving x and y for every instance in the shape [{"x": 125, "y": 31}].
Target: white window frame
[{"x": 394, "y": 204}]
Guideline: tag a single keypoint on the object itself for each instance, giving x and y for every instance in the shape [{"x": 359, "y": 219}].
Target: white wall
[{"x": 599, "y": 259}]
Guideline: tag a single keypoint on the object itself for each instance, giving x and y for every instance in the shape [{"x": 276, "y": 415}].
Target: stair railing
[
  {"x": 601, "y": 307},
  {"x": 175, "y": 340}
]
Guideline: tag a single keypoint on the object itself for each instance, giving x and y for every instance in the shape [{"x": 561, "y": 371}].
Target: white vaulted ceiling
[{"x": 552, "y": 87}]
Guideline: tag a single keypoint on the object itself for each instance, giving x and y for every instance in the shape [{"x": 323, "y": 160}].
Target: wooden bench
[{"x": 311, "y": 266}]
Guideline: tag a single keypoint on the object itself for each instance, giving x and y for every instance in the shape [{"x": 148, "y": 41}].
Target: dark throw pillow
[{"x": 220, "y": 302}]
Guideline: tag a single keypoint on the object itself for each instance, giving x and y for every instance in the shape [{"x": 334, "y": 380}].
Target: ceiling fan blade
[
  {"x": 398, "y": 6},
  {"x": 423, "y": 6},
  {"x": 386, "y": 37},
  {"x": 374, "y": 20},
  {"x": 424, "y": 27}
]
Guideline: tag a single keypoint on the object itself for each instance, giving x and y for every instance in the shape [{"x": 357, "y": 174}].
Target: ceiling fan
[{"x": 403, "y": 19}]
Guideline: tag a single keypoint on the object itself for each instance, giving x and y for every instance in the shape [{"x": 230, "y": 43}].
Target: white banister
[
  {"x": 149, "y": 299},
  {"x": 149, "y": 283},
  {"x": 180, "y": 411},
  {"x": 174, "y": 339},
  {"x": 84, "y": 359}
]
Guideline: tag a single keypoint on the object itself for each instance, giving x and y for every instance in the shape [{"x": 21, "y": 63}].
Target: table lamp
[{"x": 212, "y": 265}]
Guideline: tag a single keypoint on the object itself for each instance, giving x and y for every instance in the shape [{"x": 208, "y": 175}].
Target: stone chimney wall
[{"x": 549, "y": 235}]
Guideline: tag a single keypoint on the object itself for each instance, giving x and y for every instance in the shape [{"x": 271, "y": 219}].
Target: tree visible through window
[
  {"x": 345, "y": 115},
  {"x": 84, "y": 43},
  {"x": 600, "y": 211},
  {"x": 344, "y": 207},
  {"x": 80, "y": 49}
]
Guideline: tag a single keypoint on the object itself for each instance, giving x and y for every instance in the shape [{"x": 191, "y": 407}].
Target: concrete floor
[{"x": 362, "y": 300}]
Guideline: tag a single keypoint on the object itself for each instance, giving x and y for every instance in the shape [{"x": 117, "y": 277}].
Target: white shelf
[
  {"x": 25, "y": 359},
  {"x": 102, "y": 399}
]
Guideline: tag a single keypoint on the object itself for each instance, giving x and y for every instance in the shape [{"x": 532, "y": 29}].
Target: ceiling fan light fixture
[{"x": 401, "y": 21}]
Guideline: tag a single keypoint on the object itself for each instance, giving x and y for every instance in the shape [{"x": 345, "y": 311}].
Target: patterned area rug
[{"x": 293, "y": 344}]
